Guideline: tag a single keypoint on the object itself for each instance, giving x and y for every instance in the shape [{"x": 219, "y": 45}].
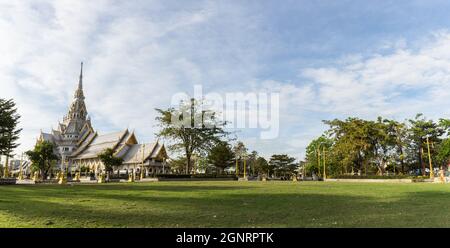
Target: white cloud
[
  {"x": 137, "y": 55},
  {"x": 398, "y": 84},
  {"x": 127, "y": 70}
]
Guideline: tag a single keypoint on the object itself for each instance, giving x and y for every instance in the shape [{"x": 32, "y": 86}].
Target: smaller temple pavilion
[
  {"x": 77, "y": 144},
  {"x": 150, "y": 157}
]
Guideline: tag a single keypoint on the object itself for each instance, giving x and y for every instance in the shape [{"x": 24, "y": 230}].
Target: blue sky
[{"x": 327, "y": 59}]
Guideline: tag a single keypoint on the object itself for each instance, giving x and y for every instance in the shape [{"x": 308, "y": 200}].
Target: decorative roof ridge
[
  {"x": 120, "y": 139},
  {"x": 161, "y": 147},
  {"x": 85, "y": 135},
  {"x": 153, "y": 149},
  {"x": 83, "y": 148}
]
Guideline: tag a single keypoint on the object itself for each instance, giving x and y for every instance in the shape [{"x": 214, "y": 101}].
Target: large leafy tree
[
  {"x": 315, "y": 152},
  {"x": 443, "y": 149},
  {"x": 221, "y": 156},
  {"x": 367, "y": 145},
  {"x": 109, "y": 160},
  {"x": 43, "y": 157},
  {"x": 203, "y": 164},
  {"x": 263, "y": 167},
  {"x": 445, "y": 125},
  {"x": 381, "y": 145},
  {"x": 283, "y": 164},
  {"x": 190, "y": 129},
  {"x": 240, "y": 152},
  {"x": 353, "y": 142},
  {"x": 9, "y": 131},
  {"x": 178, "y": 165},
  {"x": 252, "y": 157},
  {"x": 383, "y": 141},
  {"x": 397, "y": 132},
  {"x": 420, "y": 129},
  {"x": 443, "y": 156}
]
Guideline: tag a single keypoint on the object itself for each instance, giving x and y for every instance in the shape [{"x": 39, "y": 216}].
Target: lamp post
[
  {"x": 6, "y": 170},
  {"x": 318, "y": 158},
  {"x": 324, "y": 167},
  {"x": 429, "y": 159},
  {"x": 62, "y": 179},
  {"x": 321, "y": 145},
  {"x": 142, "y": 164},
  {"x": 163, "y": 164},
  {"x": 237, "y": 166},
  {"x": 304, "y": 171},
  {"x": 245, "y": 168},
  {"x": 20, "y": 177}
]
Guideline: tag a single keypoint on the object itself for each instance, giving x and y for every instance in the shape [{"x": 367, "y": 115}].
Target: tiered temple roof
[
  {"x": 76, "y": 139},
  {"x": 125, "y": 146}
]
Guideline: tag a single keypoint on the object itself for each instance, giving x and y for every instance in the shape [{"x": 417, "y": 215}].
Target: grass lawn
[{"x": 226, "y": 204}]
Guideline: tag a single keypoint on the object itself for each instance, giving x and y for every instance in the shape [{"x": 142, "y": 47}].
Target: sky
[{"x": 326, "y": 60}]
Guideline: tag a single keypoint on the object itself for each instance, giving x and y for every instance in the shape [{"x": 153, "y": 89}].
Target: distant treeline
[{"x": 381, "y": 146}]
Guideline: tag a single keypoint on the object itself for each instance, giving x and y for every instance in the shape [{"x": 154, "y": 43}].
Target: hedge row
[
  {"x": 212, "y": 176},
  {"x": 7, "y": 181},
  {"x": 377, "y": 177},
  {"x": 194, "y": 176}
]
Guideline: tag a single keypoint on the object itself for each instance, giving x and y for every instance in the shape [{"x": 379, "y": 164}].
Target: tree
[
  {"x": 262, "y": 166},
  {"x": 383, "y": 140},
  {"x": 379, "y": 146},
  {"x": 109, "y": 161},
  {"x": 398, "y": 132},
  {"x": 178, "y": 165},
  {"x": 221, "y": 156},
  {"x": 9, "y": 133},
  {"x": 283, "y": 164},
  {"x": 190, "y": 129},
  {"x": 353, "y": 143},
  {"x": 419, "y": 130},
  {"x": 240, "y": 152},
  {"x": 443, "y": 149},
  {"x": 203, "y": 164},
  {"x": 252, "y": 161},
  {"x": 42, "y": 157},
  {"x": 445, "y": 125},
  {"x": 443, "y": 156},
  {"x": 314, "y": 151}
]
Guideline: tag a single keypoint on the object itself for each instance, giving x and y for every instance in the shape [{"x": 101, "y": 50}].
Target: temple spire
[
  {"x": 77, "y": 109},
  {"x": 79, "y": 91},
  {"x": 80, "y": 82}
]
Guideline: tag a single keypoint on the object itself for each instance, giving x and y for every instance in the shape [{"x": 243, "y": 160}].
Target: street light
[
  {"x": 324, "y": 167},
  {"x": 429, "y": 160},
  {"x": 321, "y": 144},
  {"x": 245, "y": 166},
  {"x": 62, "y": 179},
  {"x": 142, "y": 165},
  {"x": 318, "y": 157},
  {"x": 6, "y": 170},
  {"x": 237, "y": 166},
  {"x": 20, "y": 177}
]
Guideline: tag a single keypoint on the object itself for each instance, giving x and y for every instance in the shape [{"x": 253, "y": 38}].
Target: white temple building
[{"x": 78, "y": 144}]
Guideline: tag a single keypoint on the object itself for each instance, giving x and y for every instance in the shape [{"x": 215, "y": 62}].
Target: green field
[{"x": 226, "y": 204}]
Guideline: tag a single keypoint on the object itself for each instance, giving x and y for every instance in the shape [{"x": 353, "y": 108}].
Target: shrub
[
  {"x": 372, "y": 177},
  {"x": 212, "y": 176},
  {"x": 195, "y": 176},
  {"x": 173, "y": 176}
]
